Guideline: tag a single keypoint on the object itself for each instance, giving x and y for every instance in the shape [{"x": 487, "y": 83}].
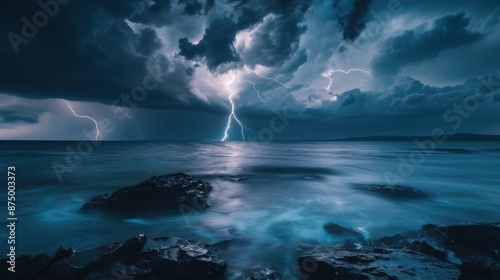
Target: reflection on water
[{"x": 266, "y": 198}]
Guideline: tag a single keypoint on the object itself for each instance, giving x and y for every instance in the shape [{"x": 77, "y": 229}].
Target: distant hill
[{"x": 454, "y": 137}]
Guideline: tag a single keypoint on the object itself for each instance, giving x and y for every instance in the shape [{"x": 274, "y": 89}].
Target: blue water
[{"x": 290, "y": 189}]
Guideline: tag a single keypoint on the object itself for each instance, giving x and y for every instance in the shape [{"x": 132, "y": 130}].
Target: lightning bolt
[
  {"x": 232, "y": 115},
  {"x": 328, "y": 74},
  {"x": 98, "y": 132},
  {"x": 133, "y": 121},
  {"x": 254, "y": 88},
  {"x": 138, "y": 129},
  {"x": 265, "y": 77}
]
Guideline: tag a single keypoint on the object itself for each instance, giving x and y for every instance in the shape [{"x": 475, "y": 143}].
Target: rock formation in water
[
  {"x": 393, "y": 191},
  {"x": 127, "y": 260},
  {"x": 174, "y": 192},
  {"x": 435, "y": 252}
]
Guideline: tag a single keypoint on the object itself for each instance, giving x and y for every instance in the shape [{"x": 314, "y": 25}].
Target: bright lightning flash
[
  {"x": 328, "y": 74},
  {"x": 265, "y": 77},
  {"x": 254, "y": 88},
  {"x": 233, "y": 114},
  {"x": 98, "y": 132}
]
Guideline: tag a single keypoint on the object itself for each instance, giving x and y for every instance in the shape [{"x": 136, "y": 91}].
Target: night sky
[{"x": 171, "y": 69}]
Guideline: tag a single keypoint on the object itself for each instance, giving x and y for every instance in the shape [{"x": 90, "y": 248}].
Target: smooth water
[{"x": 290, "y": 189}]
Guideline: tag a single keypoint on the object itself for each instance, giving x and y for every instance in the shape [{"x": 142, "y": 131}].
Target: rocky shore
[
  {"x": 434, "y": 252},
  {"x": 468, "y": 251}
]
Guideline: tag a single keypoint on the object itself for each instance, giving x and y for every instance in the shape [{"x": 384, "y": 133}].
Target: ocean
[{"x": 266, "y": 198}]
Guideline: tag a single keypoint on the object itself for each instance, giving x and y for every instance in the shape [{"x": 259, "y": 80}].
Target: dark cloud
[
  {"x": 248, "y": 17},
  {"x": 336, "y": 4},
  {"x": 87, "y": 52},
  {"x": 271, "y": 46},
  {"x": 415, "y": 45},
  {"x": 407, "y": 99},
  {"x": 353, "y": 23},
  {"x": 275, "y": 41},
  {"x": 209, "y": 5},
  {"x": 148, "y": 42},
  {"x": 349, "y": 99},
  {"x": 155, "y": 13},
  {"x": 216, "y": 47},
  {"x": 497, "y": 97},
  {"x": 19, "y": 114},
  {"x": 192, "y": 7}
]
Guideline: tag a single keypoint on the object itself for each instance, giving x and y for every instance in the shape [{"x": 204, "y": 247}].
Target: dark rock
[
  {"x": 480, "y": 268},
  {"x": 61, "y": 253},
  {"x": 423, "y": 247},
  {"x": 440, "y": 252},
  {"x": 27, "y": 267},
  {"x": 375, "y": 263},
  {"x": 159, "y": 193},
  {"x": 131, "y": 246},
  {"x": 395, "y": 241},
  {"x": 64, "y": 270},
  {"x": 394, "y": 192},
  {"x": 466, "y": 240},
  {"x": 236, "y": 179},
  {"x": 192, "y": 260},
  {"x": 128, "y": 260},
  {"x": 162, "y": 238},
  {"x": 476, "y": 245},
  {"x": 267, "y": 273},
  {"x": 342, "y": 231}
]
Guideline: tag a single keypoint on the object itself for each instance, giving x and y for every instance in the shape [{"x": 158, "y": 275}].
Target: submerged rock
[
  {"x": 172, "y": 192},
  {"x": 342, "y": 231},
  {"x": 394, "y": 191},
  {"x": 267, "y": 273}
]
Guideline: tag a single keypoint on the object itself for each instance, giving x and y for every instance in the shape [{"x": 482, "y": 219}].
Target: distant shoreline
[{"x": 459, "y": 137}]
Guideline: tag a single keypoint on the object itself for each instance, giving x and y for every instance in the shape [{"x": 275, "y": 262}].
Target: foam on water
[{"x": 266, "y": 198}]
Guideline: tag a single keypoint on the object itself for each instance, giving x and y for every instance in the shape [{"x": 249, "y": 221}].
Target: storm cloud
[
  {"x": 418, "y": 44},
  {"x": 424, "y": 56},
  {"x": 353, "y": 23}
]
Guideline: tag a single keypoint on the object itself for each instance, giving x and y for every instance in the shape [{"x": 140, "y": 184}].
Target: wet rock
[
  {"x": 192, "y": 260},
  {"x": 394, "y": 191},
  {"x": 61, "y": 253},
  {"x": 440, "y": 252},
  {"x": 423, "y": 247},
  {"x": 476, "y": 245},
  {"x": 131, "y": 246},
  {"x": 267, "y": 273},
  {"x": 466, "y": 240},
  {"x": 26, "y": 267},
  {"x": 127, "y": 260},
  {"x": 375, "y": 263},
  {"x": 236, "y": 179},
  {"x": 64, "y": 270},
  {"x": 480, "y": 268},
  {"x": 339, "y": 230},
  {"x": 174, "y": 192},
  {"x": 395, "y": 241},
  {"x": 161, "y": 238}
]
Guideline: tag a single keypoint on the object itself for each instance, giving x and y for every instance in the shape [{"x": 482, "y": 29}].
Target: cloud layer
[{"x": 424, "y": 56}]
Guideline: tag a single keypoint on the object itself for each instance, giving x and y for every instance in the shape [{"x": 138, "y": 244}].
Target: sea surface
[{"x": 267, "y": 198}]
